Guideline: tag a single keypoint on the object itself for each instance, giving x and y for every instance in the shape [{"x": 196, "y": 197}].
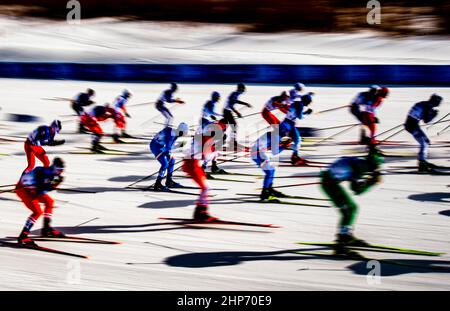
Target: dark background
[{"x": 398, "y": 17}]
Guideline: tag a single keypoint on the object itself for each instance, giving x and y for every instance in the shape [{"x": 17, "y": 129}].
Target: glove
[
  {"x": 249, "y": 106},
  {"x": 376, "y": 120},
  {"x": 56, "y": 142},
  {"x": 58, "y": 180},
  {"x": 358, "y": 186},
  {"x": 214, "y": 118},
  {"x": 127, "y": 115},
  {"x": 238, "y": 115},
  {"x": 309, "y": 111}
]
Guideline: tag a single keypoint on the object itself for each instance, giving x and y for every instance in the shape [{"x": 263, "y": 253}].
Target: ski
[
  {"x": 357, "y": 256},
  {"x": 439, "y": 167},
  {"x": 416, "y": 172},
  {"x": 374, "y": 246},
  {"x": 210, "y": 177},
  {"x": 287, "y": 196},
  {"x": 217, "y": 222},
  {"x": 278, "y": 201},
  {"x": 158, "y": 191},
  {"x": 43, "y": 249},
  {"x": 74, "y": 239},
  {"x": 236, "y": 174},
  {"x": 106, "y": 151}
]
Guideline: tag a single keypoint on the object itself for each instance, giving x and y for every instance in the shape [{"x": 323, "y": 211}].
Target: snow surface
[
  {"x": 107, "y": 40},
  {"x": 402, "y": 211}
]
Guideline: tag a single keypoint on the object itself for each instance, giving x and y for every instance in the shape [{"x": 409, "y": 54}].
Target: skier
[
  {"x": 364, "y": 99},
  {"x": 82, "y": 100},
  {"x": 297, "y": 92},
  {"x": 161, "y": 146},
  {"x": 368, "y": 113},
  {"x": 91, "y": 122},
  {"x": 233, "y": 99},
  {"x": 266, "y": 147},
  {"x": 288, "y": 126},
  {"x": 208, "y": 113},
  {"x": 42, "y": 136},
  {"x": 202, "y": 148},
  {"x": 276, "y": 102},
  {"x": 167, "y": 97},
  {"x": 213, "y": 129},
  {"x": 120, "y": 107},
  {"x": 32, "y": 189},
  {"x": 426, "y": 111},
  {"x": 362, "y": 173}
]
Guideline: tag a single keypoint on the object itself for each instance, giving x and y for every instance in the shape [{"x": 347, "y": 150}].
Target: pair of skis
[
  {"x": 72, "y": 239},
  {"x": 353, "y": 254},
  {"x": 276, "y": 200}
]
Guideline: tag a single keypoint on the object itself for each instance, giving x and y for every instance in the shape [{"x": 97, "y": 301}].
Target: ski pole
[
  {"x": 391, "y": 129},
  {"x": 331, "y": 109},
  {"x": 441, "y": 131},
  {"x": 334, "y": 127},
  {"x": 336, "y": 134},
  {"x": 438, "y": 120}
]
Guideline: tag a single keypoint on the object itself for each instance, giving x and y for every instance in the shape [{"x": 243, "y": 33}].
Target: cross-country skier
[
  {"x": 42, "y": 136},
  {"x": 32, "y": 189},
  {"x": 288, "y": 126},
  {"x": 202, "y": 148},
  {"x": 269, "y": 145},
  {"x": 209, "y": 115},
  {"x": 82, "y": 100},
  {"x": 167, "y": 97},
  {"x": 364, "y": 99},
  {"x": 362, "y": 173},
  {"x": 120, "y": 107},
  {"x": 422, "y": 111},
  {"x": 368, "y": 113},
  {"x": 90, "y": 120},
  {"x": 280, "y": 102},
  {"x": 212, "y": 130},
  {"x": 229, "y": 108},
  {"x": 161, "y": 146}
]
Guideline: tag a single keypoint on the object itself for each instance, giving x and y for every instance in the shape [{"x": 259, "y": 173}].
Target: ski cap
[
  {"x": 436, "y": 99},
  {"x": 241, "y": 87},
  {"x": 306, "y": 99},
  {"x": 215, "y": 96},
  {"x": 56, "y": 125},
  {"x": 58, "y": 164},
  {"x": 299, "y": 86},
  {"x": 383, "y": 92},
  {"x": 90, "y": 92},
  {"x": 126, "y": 93},
  {"x": 173, "y": 86}
]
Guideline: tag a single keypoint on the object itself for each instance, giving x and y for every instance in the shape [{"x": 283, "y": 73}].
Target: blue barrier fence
[{"x": 312, "y": 74}]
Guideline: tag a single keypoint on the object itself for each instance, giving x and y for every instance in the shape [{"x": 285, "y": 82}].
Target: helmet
[
  {"x": 435, "y": 99},
  {"x": 182, "y": 129},
  {"x": 56, "y": 125},
  {"x": 241, "y": 87},
  {"x": 215, "y": 96},
  {"x": 58, "y": 164},
  {"x": 126, "y": 93},
  {"x": 284, "y": 95},
  {"x": 383, "y": 92},
  {"x": 374, "y": 88},
  {"x": 306, "y": 99},
  {"x": 299, "y": 86},
  {"x": 173, "y": 86},
  {"x": 90, "y": 92}
]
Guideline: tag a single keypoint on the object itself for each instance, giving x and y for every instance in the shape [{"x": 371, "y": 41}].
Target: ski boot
[
  {"x": 126, "y": 135},
  {"x": 297, "y": 161},
  {"x": 216, "y": 170},
  {"x": 267, "y": 196},
  {"x": 170, "y": 183},
  {"x": 158, "y": 186},
  {"x": 97, "y": 148},
  {"x": 350, "y": 240},
  {"x": 201, "y": 214},
  {"x": 25, "y": 240},
  {"x": 116, "y": 139},
  {"x": 276, "y": 193},
  {"x": 50, "y": 232},
  {"x": 425, "y": 167}
]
